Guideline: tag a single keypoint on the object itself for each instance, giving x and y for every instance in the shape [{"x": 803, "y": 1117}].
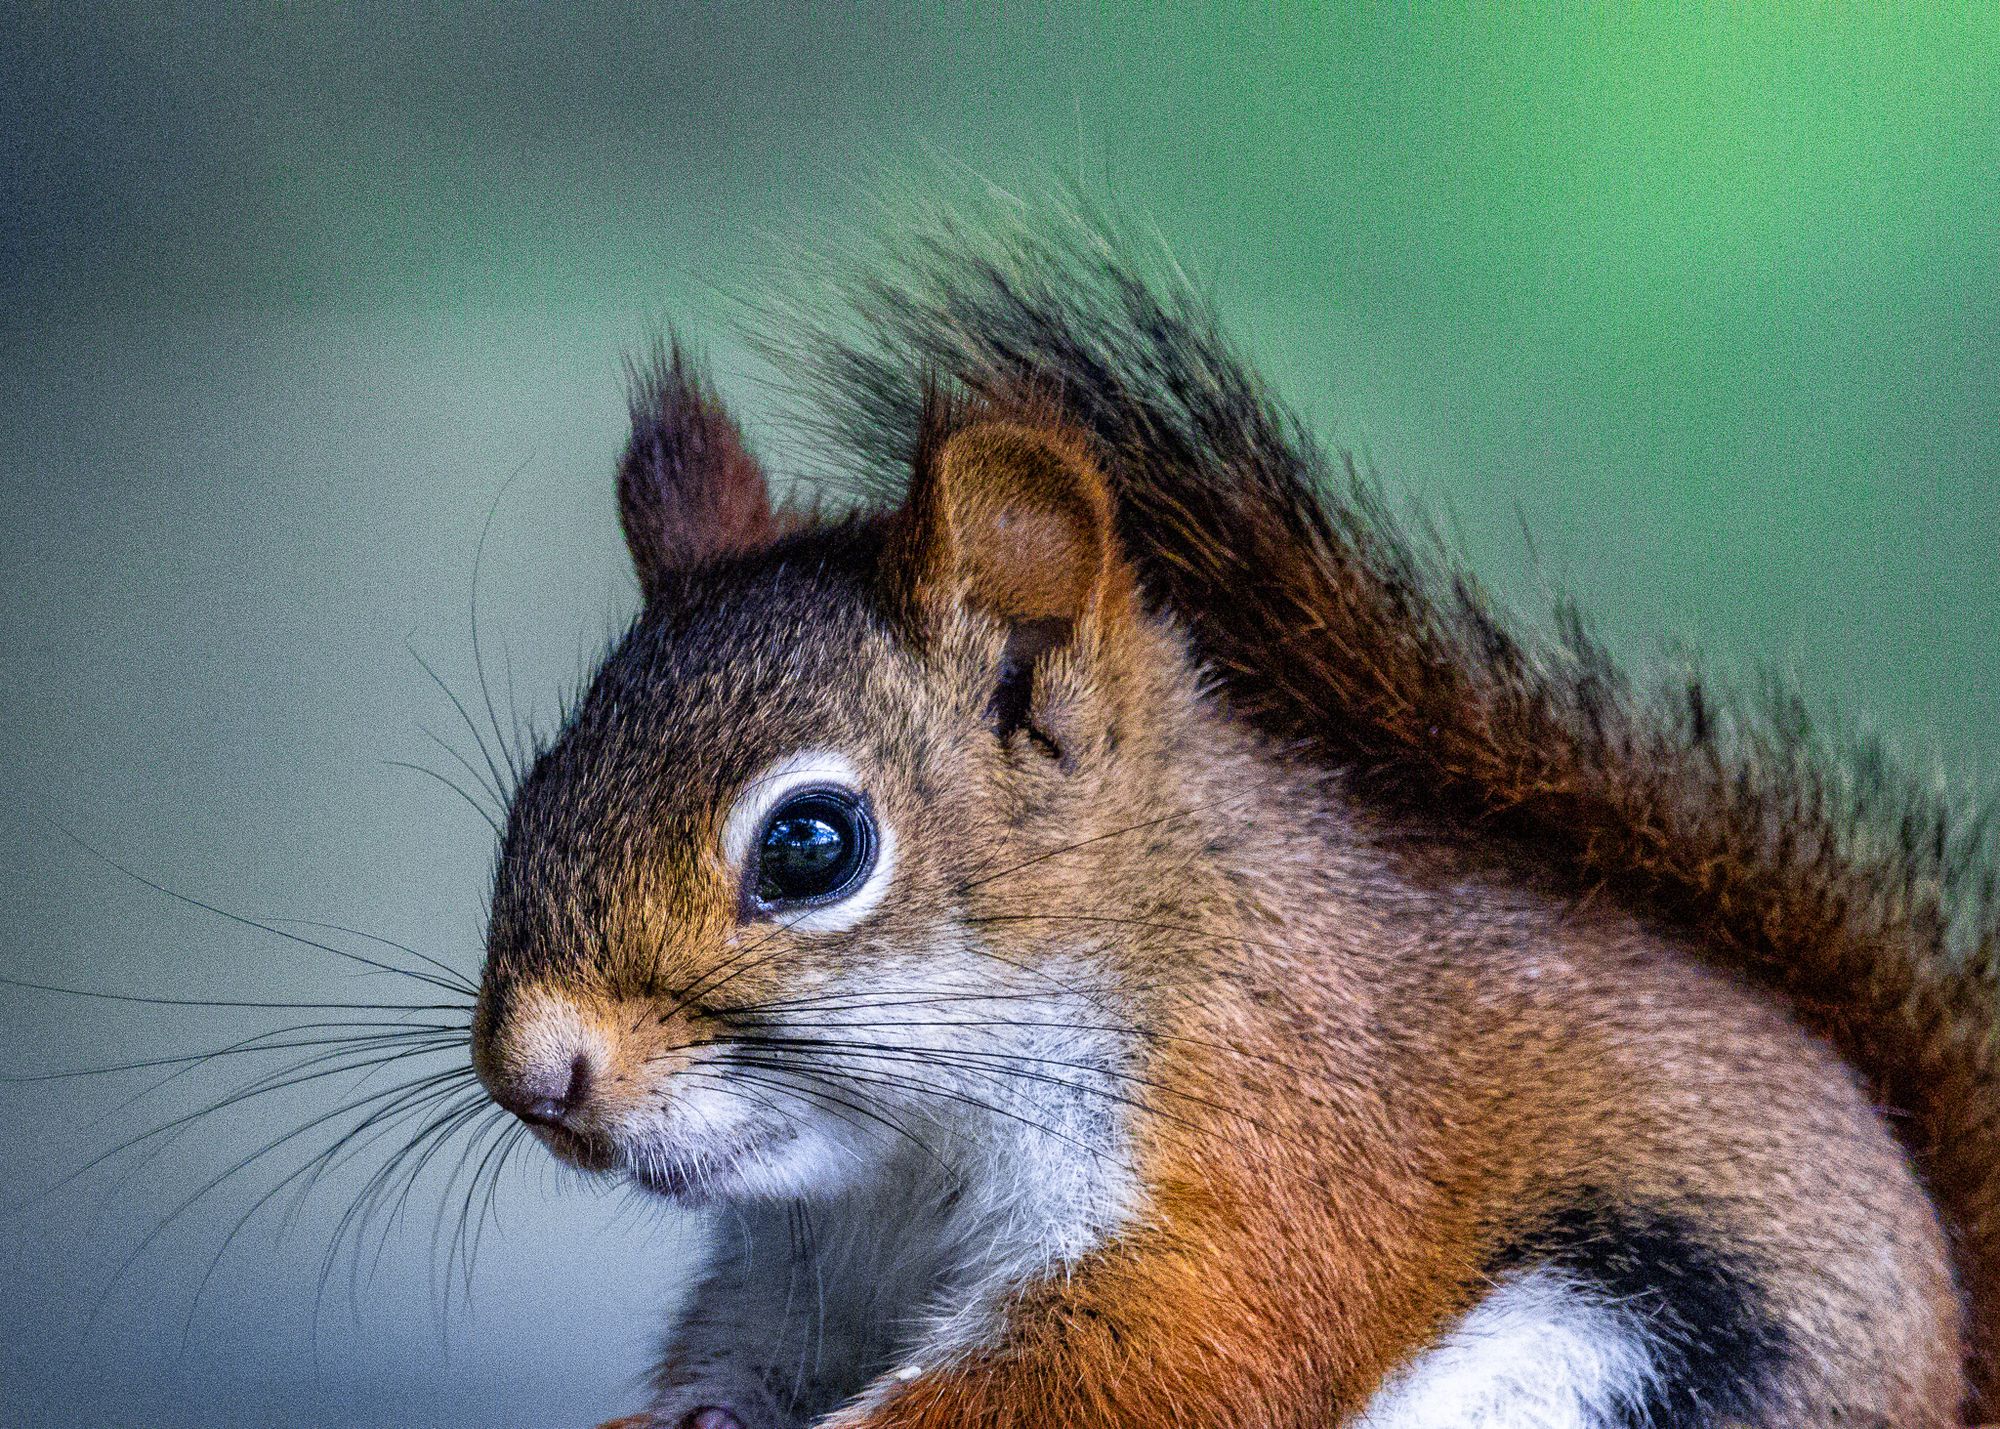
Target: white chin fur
[{"x": 713, "y": 1140}]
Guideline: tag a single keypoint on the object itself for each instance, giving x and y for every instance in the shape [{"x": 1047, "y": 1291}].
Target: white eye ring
[{"x": 760, "y": 796}]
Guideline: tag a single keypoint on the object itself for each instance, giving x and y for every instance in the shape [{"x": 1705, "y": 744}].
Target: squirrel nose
[{"x": 547, "y": 1095}]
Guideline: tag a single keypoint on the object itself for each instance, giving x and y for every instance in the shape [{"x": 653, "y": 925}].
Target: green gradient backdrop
[{"x": 1707, "y": 300}]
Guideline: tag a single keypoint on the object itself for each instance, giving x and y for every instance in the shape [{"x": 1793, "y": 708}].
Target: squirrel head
[{"x": 825, "y": 859}]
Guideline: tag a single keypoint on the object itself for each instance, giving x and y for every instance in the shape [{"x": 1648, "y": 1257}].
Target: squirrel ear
[
  {"x": 1009, "y": 517},
  {"x": 1012, "y": 518},
  {"x": 688, "y": 489}
]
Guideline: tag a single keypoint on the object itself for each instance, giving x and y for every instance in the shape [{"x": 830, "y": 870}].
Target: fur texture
[
  {"x": 1868, "y": 902},
  {"x": 1291, "y": 994}
]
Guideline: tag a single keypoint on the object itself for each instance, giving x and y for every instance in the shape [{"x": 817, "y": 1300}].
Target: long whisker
[
  {"x": 251, "y": 1044},
  {"x": 478, "y": 657},
  {"x": 815, "y": 1094},
  {"x": 414, "y": 1095},
  {"x": 753, "y": 1020},
  {"x": 310, "y": 1069},
  {"x": 732, "y": 968},
  {"x": 161, "y": 1227},
  {"x": 245, "y": 1047},
  {"x": 407, "y": 1163},
  {"x": 500, "y": 783},
  {"x": 470, "y": 988},
  {"x": 152, "y": 1001},
  {"x": 994, "y": 1063},
  {"x": 510, "y": 1139},
  {"x": 248, "y": 922},
  {"x": 849, "y": 1076},
  {"x": 497, "y": 794},
  {"x": 347, "y": 1058},
  {"x": 477, "y": 807},
  {"x": 462, "y": 1247}
]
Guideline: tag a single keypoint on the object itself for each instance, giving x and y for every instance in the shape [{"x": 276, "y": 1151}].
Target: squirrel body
[{"x": 995, "y": 900}]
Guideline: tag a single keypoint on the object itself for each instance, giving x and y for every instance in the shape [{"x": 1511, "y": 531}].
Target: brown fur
[
  {"x": 1426, "y": 938},
  {"x": 1398, "y": 1098},
  {"x": 688, "y": 489},
  {"x": 1862, "y": 900}
]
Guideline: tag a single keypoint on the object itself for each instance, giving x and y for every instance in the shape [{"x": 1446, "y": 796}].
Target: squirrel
[{"x": 1121, "y": 932}]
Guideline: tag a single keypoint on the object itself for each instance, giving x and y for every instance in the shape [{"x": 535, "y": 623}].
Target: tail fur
[{"x": 1806, "y": 861}]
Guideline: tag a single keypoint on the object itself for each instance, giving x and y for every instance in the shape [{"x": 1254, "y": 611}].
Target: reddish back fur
[{"x": 1863, "y": 901}]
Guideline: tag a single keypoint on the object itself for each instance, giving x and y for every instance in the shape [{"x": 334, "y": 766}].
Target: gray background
[{"x": 1710, "y": 306}]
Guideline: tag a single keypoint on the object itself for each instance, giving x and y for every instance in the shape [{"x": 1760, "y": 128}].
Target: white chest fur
[{"x": 1539, "y": 1352}]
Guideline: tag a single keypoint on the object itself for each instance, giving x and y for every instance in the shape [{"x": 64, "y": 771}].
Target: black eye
[{"x": 816, "y": 847}]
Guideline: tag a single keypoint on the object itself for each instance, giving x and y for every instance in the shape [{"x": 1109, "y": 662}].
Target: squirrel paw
[{"x": 708, "y": 1418}]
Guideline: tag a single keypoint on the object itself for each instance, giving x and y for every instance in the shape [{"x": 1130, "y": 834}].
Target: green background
[{"x": 1706, "y": 300}]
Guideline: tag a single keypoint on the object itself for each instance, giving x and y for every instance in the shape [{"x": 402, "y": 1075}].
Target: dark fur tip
[
  {"x": 1715, "y": 1346},
  {"x": 688, "y": 488}
]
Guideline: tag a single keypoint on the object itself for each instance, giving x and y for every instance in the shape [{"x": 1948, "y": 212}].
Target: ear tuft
[{"x": 688, "y": 488}]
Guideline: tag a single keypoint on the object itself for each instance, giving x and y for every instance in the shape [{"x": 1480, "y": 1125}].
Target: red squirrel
[{"x": 1124, "y": 935}]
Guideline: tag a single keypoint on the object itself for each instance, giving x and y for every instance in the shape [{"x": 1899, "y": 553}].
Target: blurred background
[{"x": 1709, "y": 304}]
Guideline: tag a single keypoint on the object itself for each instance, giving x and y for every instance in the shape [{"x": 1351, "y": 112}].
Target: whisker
[
  {"x": 461, "y": 1105},
  {"x": 478, "y": 657},
  {"x": 751, "y": 1018},
  {"x": 407, "y": 1162},
  {"x": 816, "y": 1095},
  {"x": 305, "y": 1176},
  {"x": 462, "y": 1247},
  {"x": 500, "y": 783},
  {"x": 850, "y": 1076},
  {"x": 248, "y": 922},
  {"x": 441, "y": 1124},
  {"x": 477, "y": 807},
  {"x": 492, "y": 791},
  {"x": 152, "y": 1001},
  {"x": 161, "y": 1227},
  {"x": 707, "y": 986},
  {"x": 310, "y": 1069},
  {"x": 470, "y": 988},
  {"x": 982, "y": 1063},
  {"x": 280, "y": 1080},
  {"x": 247, "y": 1046}
]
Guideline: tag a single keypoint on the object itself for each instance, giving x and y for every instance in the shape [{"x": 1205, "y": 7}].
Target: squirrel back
[{"x": 1808, "y": 864}]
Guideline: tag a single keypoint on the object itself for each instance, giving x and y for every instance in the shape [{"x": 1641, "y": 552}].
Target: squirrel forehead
[
  {"x": 739, "y": 671},
  {"x": 730, "y": 668}
]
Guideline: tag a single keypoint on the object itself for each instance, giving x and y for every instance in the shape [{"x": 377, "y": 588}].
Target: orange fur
[{"x": 1427, "y": 935}]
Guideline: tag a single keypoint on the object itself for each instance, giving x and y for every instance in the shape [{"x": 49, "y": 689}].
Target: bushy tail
[{"x": 1866, "y": 900}]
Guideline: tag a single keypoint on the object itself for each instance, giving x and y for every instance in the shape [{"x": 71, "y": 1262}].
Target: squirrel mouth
[
  {"x": 685, "y": 1175},
  {"x": 586, "y": 1153}
]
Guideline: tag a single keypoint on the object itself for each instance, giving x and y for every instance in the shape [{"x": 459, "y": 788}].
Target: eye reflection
[{"x": 816, "y": 847}]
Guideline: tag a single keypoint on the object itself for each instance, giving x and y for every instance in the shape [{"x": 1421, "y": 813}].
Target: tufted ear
[
  {"x": 1009, "y": 517},
  {"x": 688, "y": 489}
]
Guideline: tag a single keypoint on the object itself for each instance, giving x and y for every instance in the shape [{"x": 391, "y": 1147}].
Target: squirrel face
[{"x": 788, "y": 893}]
